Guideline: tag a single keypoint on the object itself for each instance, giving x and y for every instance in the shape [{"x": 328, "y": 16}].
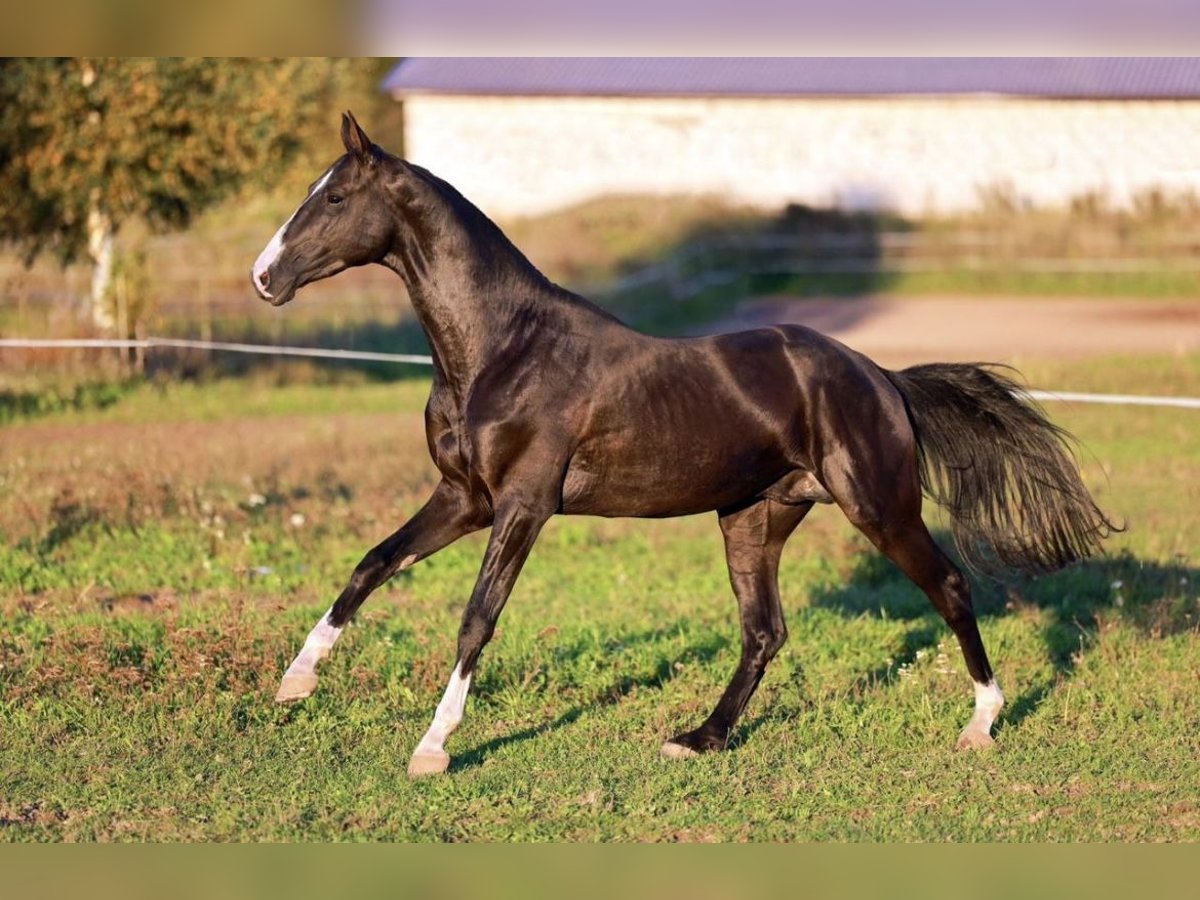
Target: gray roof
[{"x": 1062, "y": 77}]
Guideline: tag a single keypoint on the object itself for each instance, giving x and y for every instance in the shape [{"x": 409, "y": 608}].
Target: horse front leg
[
  {"x": 446, "y": 516},
  {"x": 516, "y": 527}
]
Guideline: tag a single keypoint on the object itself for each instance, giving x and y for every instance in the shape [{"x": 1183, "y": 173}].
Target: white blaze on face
[
  {"x": 449, "y": 713},
  {"x": 316, "y": 647},
  {"x": 271, "y": 252}
]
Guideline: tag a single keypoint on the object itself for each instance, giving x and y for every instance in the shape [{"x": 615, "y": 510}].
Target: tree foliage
[{"x": 154, "y": 139}]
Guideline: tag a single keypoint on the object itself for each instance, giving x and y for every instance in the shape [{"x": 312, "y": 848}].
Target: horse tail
[{"x": 1006, "y": 474}]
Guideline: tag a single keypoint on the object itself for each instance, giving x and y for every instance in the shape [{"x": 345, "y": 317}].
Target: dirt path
[{"x": 901, "y": 331}]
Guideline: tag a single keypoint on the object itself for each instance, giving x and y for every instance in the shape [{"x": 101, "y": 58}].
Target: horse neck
[{"x": 470, "y": 287}]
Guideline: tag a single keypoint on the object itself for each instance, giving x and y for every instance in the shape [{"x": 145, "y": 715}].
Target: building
[{"x": 913, "y": 135}]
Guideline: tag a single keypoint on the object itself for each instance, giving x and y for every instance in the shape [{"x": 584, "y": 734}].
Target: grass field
[{"x": 163, "y": 557}]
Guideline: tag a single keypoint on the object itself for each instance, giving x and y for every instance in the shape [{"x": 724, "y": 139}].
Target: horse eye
[{"x": 335, "y": 199}]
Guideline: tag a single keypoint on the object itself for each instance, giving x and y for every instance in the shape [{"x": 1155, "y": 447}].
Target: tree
[{"x": 87, "y": 144}]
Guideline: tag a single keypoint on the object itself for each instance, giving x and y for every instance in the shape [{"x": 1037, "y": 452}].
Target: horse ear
[{"x": 357, "y": 143}]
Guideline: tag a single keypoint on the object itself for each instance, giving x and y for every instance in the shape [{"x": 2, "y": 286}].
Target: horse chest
[
  {"x": 449, "y": 442},
  {"x": 476, "y": 454},
  {"x": 448, "y": 455}
]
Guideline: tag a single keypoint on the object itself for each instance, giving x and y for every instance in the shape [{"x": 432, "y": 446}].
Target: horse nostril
[{"x": 264, "y": 279}]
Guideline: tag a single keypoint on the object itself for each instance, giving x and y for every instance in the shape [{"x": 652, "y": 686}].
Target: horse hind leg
[
  {"x": 920, "y": 558},
  {"x": 754, "y": 539},
  {"x": 900, "y": 534}
]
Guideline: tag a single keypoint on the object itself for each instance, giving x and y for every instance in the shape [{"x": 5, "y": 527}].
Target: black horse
[{"x": 543, "y": 403}]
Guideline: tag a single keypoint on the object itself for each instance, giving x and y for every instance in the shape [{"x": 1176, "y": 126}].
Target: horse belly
[{"x": 667, "y": 481}]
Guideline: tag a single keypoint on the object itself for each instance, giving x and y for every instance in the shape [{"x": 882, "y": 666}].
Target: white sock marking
[
  {"x": 275, "y": 247},
  {"x": 316, "y": 647},
  {"x": 988, "y": 702},
  {"x": 449, "y": 713}
]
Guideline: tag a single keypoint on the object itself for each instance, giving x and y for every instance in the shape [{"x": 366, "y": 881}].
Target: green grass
[
  {"x": 163, "y": 557},
  {"x": 76, "y": 396},
  {"x": 286, "y": 388}
]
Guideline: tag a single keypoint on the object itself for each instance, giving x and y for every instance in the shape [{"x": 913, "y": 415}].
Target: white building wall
[{"x": 523, "y": 155}]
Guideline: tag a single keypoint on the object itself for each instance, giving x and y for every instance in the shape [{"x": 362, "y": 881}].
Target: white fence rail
[
  {"x": 182, "y": 344},
  {"x": 417, "y": 359},
  {"x": 1117, "y": 399}
]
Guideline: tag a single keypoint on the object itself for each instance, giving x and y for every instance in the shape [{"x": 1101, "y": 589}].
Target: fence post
[
  {"x": 121, "y": 288},
  {"x": 206, "y": 322}
]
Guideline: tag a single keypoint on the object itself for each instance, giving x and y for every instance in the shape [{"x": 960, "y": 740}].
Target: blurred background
[{"x": 686, "y": 194}]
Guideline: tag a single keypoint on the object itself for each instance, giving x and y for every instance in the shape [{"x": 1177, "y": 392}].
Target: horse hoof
[
  {"x": 296, "y": 687},
  {"x": 672, "y": 750},
  {"x": 423, "y": 764},
  {"x": 974, "y": 740}
]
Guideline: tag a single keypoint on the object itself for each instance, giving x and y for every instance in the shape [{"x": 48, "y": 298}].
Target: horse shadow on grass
[
  {"x": 654, "y": 675},
  {"x": 1073, "y": 606}
]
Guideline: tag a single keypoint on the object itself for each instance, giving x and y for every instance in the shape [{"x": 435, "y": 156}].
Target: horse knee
[
  {"x": 475, "y": 632},
  {"x": 762, "y": 646},
  {"x": 776, "y": 641},
  {"x": 368, "y": 568}
]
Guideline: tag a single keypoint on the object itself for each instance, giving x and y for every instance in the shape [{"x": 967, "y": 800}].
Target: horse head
[{"x": 344, "y": 221}]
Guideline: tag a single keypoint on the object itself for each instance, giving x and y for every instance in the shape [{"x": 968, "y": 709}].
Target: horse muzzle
[{"x": 276, "y": 292}]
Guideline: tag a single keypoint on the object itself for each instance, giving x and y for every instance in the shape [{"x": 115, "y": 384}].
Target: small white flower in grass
[
  {"x": 256, "y": 500},
  {"x": 297, "y": 520}
]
